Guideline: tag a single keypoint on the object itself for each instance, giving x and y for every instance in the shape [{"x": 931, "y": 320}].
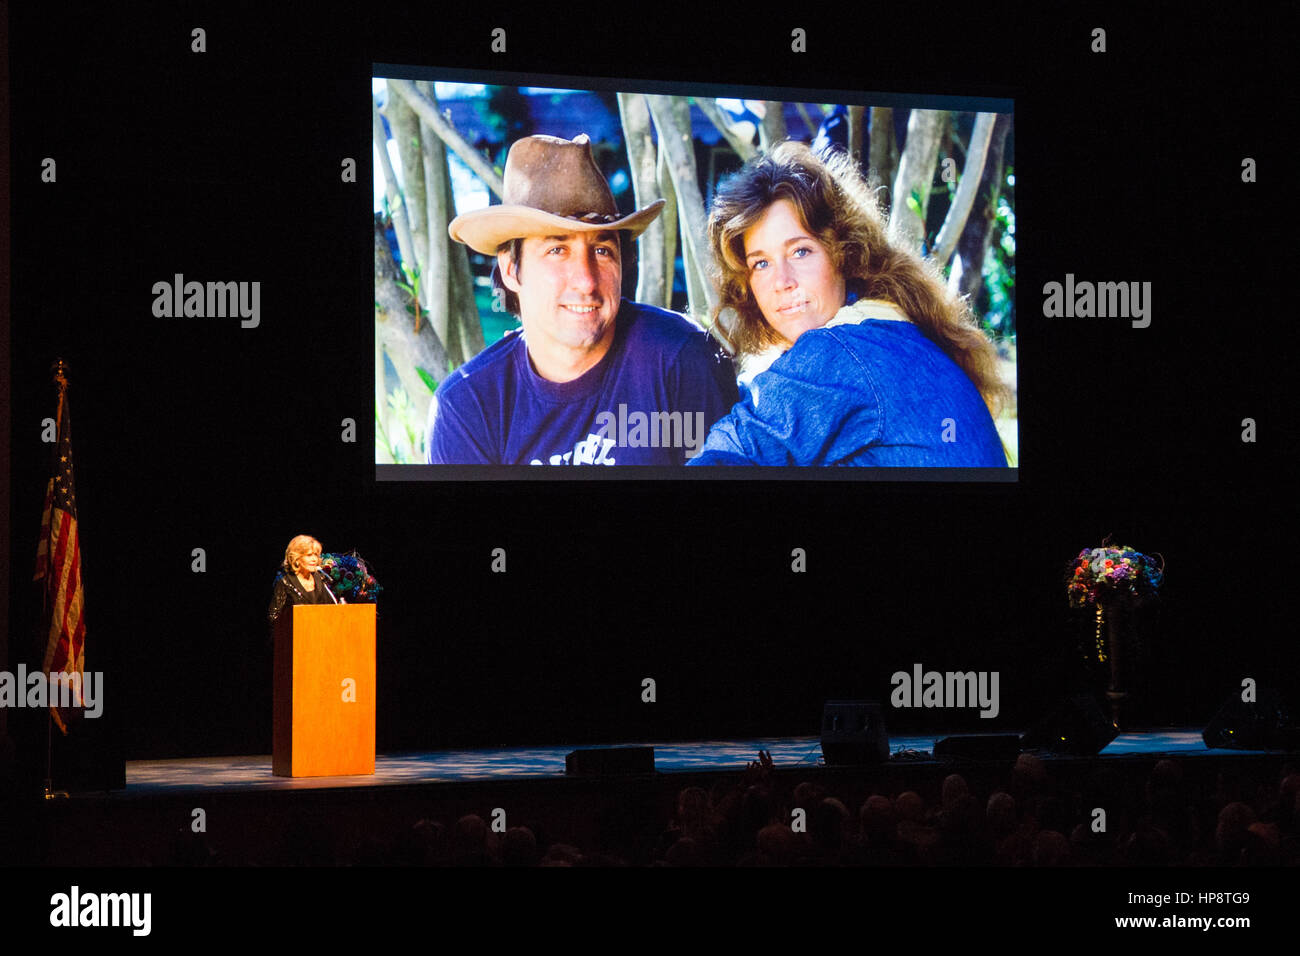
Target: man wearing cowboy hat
[{"x": 586, "y": 362}]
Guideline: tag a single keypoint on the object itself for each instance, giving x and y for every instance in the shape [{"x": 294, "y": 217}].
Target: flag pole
[
  {"x": 50, "y": 792},
  {"x": 59, "y": 372}
]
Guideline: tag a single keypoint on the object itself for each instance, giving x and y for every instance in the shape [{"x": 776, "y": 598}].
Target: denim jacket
[{"x": 869, "y": 389}]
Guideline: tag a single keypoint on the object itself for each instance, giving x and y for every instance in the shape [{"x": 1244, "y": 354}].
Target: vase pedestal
[
  {"x": 1118, "y": 707},
  {"x": 1124, "y": 665}
]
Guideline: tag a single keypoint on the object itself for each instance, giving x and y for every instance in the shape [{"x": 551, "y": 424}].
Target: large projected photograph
[{"x": 701, "y": 282}]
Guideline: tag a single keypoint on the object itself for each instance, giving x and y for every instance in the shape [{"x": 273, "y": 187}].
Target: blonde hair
[
  {"x": 300, "y": 545},
  {"x": 835, "y": 205}
]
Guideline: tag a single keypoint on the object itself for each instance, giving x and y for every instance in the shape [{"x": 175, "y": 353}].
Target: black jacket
[{"x": 288, "y": 590}]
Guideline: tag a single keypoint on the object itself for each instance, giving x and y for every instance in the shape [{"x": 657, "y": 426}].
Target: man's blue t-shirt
[{"x": 650, "y": 401}]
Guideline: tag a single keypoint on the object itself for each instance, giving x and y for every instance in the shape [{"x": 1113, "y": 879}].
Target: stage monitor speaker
[
  {"x": 1267, "y": 723},
  {"x": 601, "y": 761},
  {"x": 979, "y": 746},
  {"x": 1077, "y": 726},
  {"x": 853, "y": 733}
]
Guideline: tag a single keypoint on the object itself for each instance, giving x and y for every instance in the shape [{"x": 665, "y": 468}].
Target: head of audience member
[
  {"x": 694, "y": 810},
  {"x": 909, "y": 807},
  {"x": 827, "y": 823},
  {"x": 1262, "y": 845},
  {"x": 755, "y": 813},
  {"x": 808, "y": 794},
  {"x": 1148, "y": 845},
  {"x": 954, "y": 789},
  {"x": 431, "y": 837},
  {"x": 519, "y": 847},
  {"x": 1000, "y": 812},
  {"x": 470, "y": 841},
  {"x": 876, "y": 819},
  {"x": 962, "y": 821},
  {"x": 684, "y": 852},
  {"x": 1051, "y": 849},
  {"x": 1030, "y": 773},
  {"x": 1230, "y": 832},
  {"x": 562, "y": 854},
  {"x": 779, "y": 843},
  {"x": 1164, "y": 782},
  {"x": 1289, "y": 802}
]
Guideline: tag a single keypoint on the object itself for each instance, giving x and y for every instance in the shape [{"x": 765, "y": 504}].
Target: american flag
[{"x": 58, "y": 563}]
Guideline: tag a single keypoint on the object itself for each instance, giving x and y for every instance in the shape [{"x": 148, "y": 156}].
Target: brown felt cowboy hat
[{"x": 552, "y": 187}]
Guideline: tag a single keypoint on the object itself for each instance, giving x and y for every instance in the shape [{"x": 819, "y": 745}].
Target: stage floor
[{"x": 154, "y": 777}]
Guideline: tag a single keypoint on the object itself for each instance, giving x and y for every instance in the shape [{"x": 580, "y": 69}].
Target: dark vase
[{"x": 1119, "y": 652}]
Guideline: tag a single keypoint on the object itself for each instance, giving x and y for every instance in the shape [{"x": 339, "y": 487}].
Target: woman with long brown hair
[{"x": 880, "y": 364}]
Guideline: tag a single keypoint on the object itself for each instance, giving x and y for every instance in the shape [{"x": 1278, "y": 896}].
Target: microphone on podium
[{"x": 329, "y": 591}]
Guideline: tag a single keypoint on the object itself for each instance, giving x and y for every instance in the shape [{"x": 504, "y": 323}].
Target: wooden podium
[{"x": 324, "y": 691}]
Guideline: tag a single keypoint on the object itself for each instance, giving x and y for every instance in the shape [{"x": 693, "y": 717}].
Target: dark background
[{"x": 197, "y": 433}]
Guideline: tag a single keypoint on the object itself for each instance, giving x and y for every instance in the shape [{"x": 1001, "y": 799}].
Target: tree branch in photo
[
  {"x": 407, "y": 348},
  {"x": 436, "y": 287},
  {"x": 428, "y": 111},
  {"x": 773, "y": 129},
  {"x": 672, "y": 117},
  {"x": 383, "y": 453},
  {"x": 883, "y": 159},
  {"x": 464, "y": 306},
  {"x": 669, "y": 219},
  {"x": 911, "y": 194},
  {"x": 713, "y": 113},
  {"x": 955, "y": 221},
  {"x": 396, "y": 204},
  {"x": 856, "y": 124},
  {"x": 973, "y": 245},
  {"x": 642, "y": 160},
  {"x": 406, "y": 134}
]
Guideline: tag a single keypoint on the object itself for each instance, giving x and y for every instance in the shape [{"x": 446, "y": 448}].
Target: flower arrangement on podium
[{"x": 350, "y": 578}]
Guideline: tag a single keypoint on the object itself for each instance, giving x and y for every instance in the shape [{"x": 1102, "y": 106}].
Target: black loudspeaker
[
  {"x": 979, "y": 747},
  {"x": 1265, "y": 724},
  {"x": 611, "y": 760},
  {"x": 853, "y": 733},
  {"x": 1077, "y": 726}
]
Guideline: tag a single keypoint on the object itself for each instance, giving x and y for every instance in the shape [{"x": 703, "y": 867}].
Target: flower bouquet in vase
[{"x": 1114, "y": 581}]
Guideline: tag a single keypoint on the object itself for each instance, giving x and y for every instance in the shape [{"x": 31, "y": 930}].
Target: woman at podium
[{"x": 300, "y": 580}]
